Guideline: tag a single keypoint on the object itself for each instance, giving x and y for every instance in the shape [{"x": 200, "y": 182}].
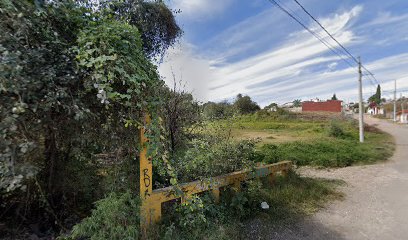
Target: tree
[
  {"x": 245, "y": 105},
  {"x": 334, "y": 97},
  {"x": 182, "y": 114},
  {"x": 271, "y": 107},
  {"x": 221, "y": 110},
  {"x": 376, "y": 98},
  {"x": 297, "y": 103},
  {"x": 155, "y": 21},
  {"x": 74, "y": 82}
]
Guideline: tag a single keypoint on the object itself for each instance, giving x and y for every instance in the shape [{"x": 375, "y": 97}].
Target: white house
[
  {"x": 374, "y": 109},
  {"x": 402, "y": 117}
]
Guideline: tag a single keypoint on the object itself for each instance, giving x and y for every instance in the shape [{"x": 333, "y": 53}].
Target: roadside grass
[
  {"x": 323, "y": 141},
  {"x": 289, "y": 199},
  {"x": 306, "y": 139}
]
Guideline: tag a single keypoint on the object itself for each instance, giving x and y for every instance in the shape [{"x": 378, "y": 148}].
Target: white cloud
[
  {"x": 332, "y": 65},
  {"x": 192, "y": 71},
  {"x": 295, "y": 68},
  {"x": 200, "y": 9}
]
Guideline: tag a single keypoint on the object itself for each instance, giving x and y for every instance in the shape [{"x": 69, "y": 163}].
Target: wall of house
[{"x": 328, "y": 106}]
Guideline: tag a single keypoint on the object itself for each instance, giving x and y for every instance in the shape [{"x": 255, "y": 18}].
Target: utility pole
[
  {"x": 402, "y": 110},
  {"x": 395, "y": 100},
  {"x": 360, "y": 104}
]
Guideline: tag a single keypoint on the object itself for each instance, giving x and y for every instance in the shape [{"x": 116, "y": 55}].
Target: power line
[
  {"x": 328, "y": 45},
  {"x": 310, "y": 31},
  {"x": 319, "y": 37},
  {"x": 332, "y": 37}
]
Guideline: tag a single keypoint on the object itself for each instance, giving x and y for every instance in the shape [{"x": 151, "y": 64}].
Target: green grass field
[{"x": 326, "y": 140}]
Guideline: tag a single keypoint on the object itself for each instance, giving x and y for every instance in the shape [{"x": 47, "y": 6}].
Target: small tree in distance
[
  {"x": 297, "y": 103},
  {"x": 245, "y": 105},
  {"x": 334, "y": 97}
]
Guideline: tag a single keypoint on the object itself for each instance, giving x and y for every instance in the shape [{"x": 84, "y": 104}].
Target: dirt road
[{"x": 376, "y": 201}]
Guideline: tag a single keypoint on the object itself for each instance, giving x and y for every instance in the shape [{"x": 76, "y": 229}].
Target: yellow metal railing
[
  {"x": 152, "y": 206},
  {"x": 150, "y": 211}
]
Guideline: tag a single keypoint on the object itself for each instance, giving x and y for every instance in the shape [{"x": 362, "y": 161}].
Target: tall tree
[
  {"x": 334, "y": 97},
  {"x": 155, "y": 21},
  {"x": 376, "y": 98}
]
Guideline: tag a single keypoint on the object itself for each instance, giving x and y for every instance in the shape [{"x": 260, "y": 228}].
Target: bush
[
  {"x": 191, "y": 214},
  {"x": 115, "y": 217},
  {"x": 208, "y": 159},
  {"x": 336, "y": 130}
]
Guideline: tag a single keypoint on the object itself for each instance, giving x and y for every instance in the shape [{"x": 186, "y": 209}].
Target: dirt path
[{"x": 376, "y": 202}]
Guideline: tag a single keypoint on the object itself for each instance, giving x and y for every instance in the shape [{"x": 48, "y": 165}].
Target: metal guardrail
[{"x": 151, "y": 210}]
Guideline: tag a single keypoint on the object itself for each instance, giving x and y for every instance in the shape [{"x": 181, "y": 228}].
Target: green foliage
[
  {"x": 111, "y": 53},
  {"x": 191, "y": 214},
  {"x": 214, "y": 111},
  {"x": 291, "y": 196},
  {"x": 182, "y": 117},
  {"x": 155, "y": 21},
  {"x": 245, "y": 105},
  {"x": 36, "y": 79},
  {"x": 336, "y": 130},
  {"x": 271, "y": 107},
  {"x": 239, "y": 204},
  {"x": 288, "y": 198},
  {"x": 115, "y": 217},
  {"x": 334, "y": 97},
  {"x": 297, "y": 103},
  {"x": 73, "y": 82},
  {"x": 330, "y": 152},
  {"x": 270, "y": 153},
  {"x": 376, "y": 98},
  {"x": 212, "y": 158}
]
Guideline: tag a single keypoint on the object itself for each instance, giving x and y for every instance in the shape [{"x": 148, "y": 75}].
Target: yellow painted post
[
  {"x": 147, "y": 213},
  {"x": 216, "y": 194}
]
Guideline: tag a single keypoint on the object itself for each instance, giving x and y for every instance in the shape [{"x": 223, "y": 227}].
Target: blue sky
[{"x": 253, "y": 48}]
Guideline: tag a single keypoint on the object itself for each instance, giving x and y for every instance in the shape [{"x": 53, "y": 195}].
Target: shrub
[
  {"x": 115, "y": 217},
  {"x": 270, "y": 153},
  {"x": 208, "y": 159},
  {"x": 336, "y": 130},
  {"x": 191, "y": 214}
]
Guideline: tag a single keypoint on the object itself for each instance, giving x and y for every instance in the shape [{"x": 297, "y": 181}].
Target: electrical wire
[
  {"x": 334, "y": 39},
  {"x": 310, "y": 31}
]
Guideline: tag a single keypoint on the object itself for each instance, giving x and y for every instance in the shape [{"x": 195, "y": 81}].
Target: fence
[
  {"x": 152, "y": 205},
  {"x": 151, "y": 208}
]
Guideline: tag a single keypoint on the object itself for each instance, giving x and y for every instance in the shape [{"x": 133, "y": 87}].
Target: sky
[{"x": 253, "y": 48}]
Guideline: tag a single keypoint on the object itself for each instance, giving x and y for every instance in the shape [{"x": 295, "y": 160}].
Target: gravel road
[{"x": 375, "y": 204}]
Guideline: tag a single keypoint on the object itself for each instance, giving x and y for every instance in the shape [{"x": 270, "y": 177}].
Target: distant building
[
  {"x": 374, "y": 109},
  {"x": 322, "y": 106},
  {"x": 402, "y": 116},
  {"x": 289, "y": 106}
]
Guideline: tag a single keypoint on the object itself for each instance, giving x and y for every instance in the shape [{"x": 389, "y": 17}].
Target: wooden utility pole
[
  {"x": 360, "y": 104},
  {"x": 395, "y": 100}
]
